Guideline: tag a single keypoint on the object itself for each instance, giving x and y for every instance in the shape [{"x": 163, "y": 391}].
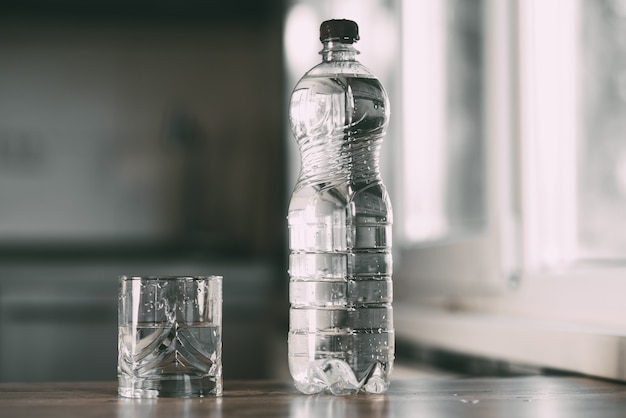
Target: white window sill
[{"x": 563, "y": 345}]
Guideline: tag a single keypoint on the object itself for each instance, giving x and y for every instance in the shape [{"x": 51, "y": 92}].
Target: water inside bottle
[{"x": 341, "y": 335}]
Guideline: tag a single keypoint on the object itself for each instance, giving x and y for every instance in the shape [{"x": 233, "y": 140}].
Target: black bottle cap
[{"x": 341, "y": 30}]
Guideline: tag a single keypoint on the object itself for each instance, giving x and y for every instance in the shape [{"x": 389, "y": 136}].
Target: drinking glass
[{"x": 169, "y": 336}]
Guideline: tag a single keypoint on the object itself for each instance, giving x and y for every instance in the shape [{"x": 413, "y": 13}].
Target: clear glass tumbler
[{"x": 170, "y": 336}]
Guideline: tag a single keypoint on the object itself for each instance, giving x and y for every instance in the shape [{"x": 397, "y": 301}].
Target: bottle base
[{"x": 336, "y": 377}]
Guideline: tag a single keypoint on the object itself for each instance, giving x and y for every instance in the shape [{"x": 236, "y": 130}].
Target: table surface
[{"x": 432, "y": 397}]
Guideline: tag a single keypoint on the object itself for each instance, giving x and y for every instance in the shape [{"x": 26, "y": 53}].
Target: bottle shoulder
[{"x": 350, "y": 68}]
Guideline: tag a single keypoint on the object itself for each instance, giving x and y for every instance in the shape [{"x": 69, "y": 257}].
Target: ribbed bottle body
[{"x": 341, "y": 336}]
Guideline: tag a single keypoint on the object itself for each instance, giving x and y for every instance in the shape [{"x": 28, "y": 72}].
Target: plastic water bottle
[{"x": 341, "y": 336}]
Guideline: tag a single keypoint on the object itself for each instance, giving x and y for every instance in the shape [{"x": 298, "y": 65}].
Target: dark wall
[{"x": 137, "y": 138}]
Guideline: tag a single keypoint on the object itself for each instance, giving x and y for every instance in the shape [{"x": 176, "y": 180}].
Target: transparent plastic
[{"x": 341, "y": 336}]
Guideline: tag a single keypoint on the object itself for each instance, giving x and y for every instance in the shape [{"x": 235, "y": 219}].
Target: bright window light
[
  {"x": 424, "y": 152},
  {"x": 549, "y": 130}
]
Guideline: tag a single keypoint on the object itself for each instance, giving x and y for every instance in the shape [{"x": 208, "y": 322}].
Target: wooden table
[{"x": 536, "y": 397}]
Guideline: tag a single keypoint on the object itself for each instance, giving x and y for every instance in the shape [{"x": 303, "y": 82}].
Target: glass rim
[{"x": 171, "y": 277}]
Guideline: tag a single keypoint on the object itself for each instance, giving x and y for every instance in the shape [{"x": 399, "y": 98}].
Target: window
[
  {"x": 513, "y": 181},
  {"x": 444, "y": 156},
  {"x": 602, "y": 148}
]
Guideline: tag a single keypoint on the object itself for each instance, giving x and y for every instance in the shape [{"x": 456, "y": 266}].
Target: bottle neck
[{"x": 338, "y": 51}]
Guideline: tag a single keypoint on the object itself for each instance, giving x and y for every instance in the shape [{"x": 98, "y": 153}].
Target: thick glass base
[{"x": 173, "y": 386}]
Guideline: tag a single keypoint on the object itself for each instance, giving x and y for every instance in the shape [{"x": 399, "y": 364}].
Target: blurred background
[
  {"x": 150, "y": 137},
  {"x": 137, "y": 138}
]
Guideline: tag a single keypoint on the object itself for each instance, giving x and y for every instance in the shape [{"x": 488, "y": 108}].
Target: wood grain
[{"x": 536, "y": 396}]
